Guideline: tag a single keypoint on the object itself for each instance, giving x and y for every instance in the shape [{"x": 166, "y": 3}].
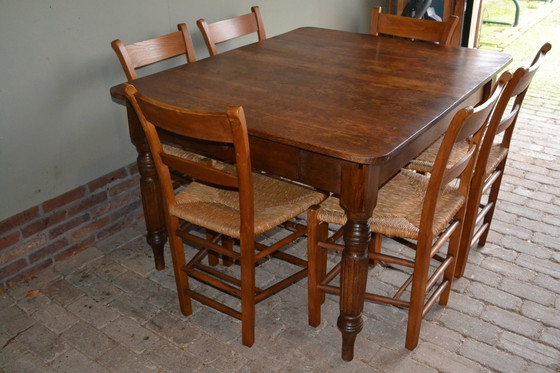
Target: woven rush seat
[
  {"x": 275, "y": 202},
  {"x": 425, "y": 161},
  {"x": 398, "y": 210}
]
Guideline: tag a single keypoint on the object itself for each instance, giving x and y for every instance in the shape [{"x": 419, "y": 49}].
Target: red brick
[
  {"x": 48, "y": 250},
  {"x": 18, "y": 220},
  {"x": 87, "y": 203},
  {"x": 23, "y": 249},
  {"x": 9, "y": 240},
  {"x": 133, "y": 169},
  {"x": 107, "y": 179},
  {"x": 113, "y": 228},
  {"x": 43, "y": 224},
  {"x": 12, "y": 269},
  {"x": 67, "y": 226},
  {"x": 73, "y": 250},
  {"x": 126, "y": 211},
  {"x": 64, "y": 199},
  {"x": 29, "y": 273},
  {"x": 126, "y": 185},
  {"x": 111, "y": 205},
  {"x": 89, "y": 229}
]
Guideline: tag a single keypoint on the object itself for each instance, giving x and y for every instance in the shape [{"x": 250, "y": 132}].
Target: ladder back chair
[
  {"x": 418, "y": 211},
  {"x": 151, "y": 51},
  {"x": 492, "y": 159},
  {"x": 412, "y": 28},
  {"x": 147, "y": 52},
  {"x": 228, "y": 199},
  {"x": 231, "y": 28}
]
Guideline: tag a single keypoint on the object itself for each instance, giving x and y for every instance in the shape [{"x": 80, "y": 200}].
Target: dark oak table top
[
  {"x": 337, "y": 110},
  {"x": 351, "y": 96}
]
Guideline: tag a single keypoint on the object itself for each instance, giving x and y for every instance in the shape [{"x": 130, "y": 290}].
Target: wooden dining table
[{"x": 339, "y": 111}]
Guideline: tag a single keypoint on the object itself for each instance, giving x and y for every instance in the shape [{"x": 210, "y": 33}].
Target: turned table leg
[
  {"x": 151, "y": 202},
  {"x": 353, "y": 284},
  {"x": 358, "y": 198},
  {"x": 150, "y": 190}
]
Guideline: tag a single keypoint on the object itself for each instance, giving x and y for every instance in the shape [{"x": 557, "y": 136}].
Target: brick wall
[{"x": 58, "y": 228}]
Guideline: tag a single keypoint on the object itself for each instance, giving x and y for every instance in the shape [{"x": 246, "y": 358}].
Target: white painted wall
[{"x": 59, "y": 128}]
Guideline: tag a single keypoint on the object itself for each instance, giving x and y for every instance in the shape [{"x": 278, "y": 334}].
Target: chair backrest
[
  {"x": 515, "y": 91},
  {"x": 413, "y": 28},
  {"x": 231, "y": 28},
  {"x": 468, "y": 124},
  {"x": 224, "y": 128},
  {"x": 147, "y": 52}
]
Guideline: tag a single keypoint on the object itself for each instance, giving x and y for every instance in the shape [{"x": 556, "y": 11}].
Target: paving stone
[
  {"x": 441, "y": 336},
  {"x": 62, "y": 292},
  {"x": 131, "y": 334},
  {"x": 16, "y": 358},
  {"x": 494, "y": 296},
  {"x": 491, "y": 357},
  {"x": 526, "y": 247},
  {"x": 512, "y": 321},
  {"x": 105, "y": 268},
  {"x": 546, "y": 315},
  {"x": 40, "y": 280},
  {"x": 528, "y": 291},
  {"x": 13, "y": 323},
  {"x": 121, "y": 359},
  {"x": 547, "y": 282},
  {"x": 135, "y": 308},
  {"x": 88, "y": 340},
  {"x": 480, "y": 274},
  {"x": 5, "y": 301},
  {"x": 542, "y": 266},
  {"x": 93, "y": 312},
  {"x": 470, "y": 326},
  {"x": 443, "y": 360},
  {"x": 33, "y": 302},
  {"x": 504, "y": 268},
  {"x": 530, "y": 350},
  {"x": 466, "y": 304},
  {"x": 42, "y": 342},
  {"x": 551, "y": 336},
  {"x": 498, "y": 252},
  {"x": 55, "y": 317},
  {"x": 94, "y": 286},
  {"x": 180, "y": 332},
  {"x": 536, "y": 368},
  {"x": 74, "y": 361},
  {"x": 171, "y": 358}
]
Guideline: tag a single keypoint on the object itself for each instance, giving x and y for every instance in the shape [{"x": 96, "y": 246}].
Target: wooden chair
[
  {"x": 418, "y": 211},
  {"x": 147, "y": 52},
  {"x": 412, "y": 28},
  {"x": 492, "y": 159},
  {"x": 227, "y": 199},
  {"x": 218, "y": 32}
]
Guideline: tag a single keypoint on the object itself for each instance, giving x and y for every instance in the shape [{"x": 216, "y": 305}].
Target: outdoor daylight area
[{"x": 537, "y": 22}]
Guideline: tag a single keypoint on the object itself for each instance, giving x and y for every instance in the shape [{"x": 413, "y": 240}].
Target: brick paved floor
[{"x": 108, "y": 310}]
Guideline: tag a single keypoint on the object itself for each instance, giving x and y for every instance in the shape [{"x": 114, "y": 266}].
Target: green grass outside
[{"x": 539, "y": 22}]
